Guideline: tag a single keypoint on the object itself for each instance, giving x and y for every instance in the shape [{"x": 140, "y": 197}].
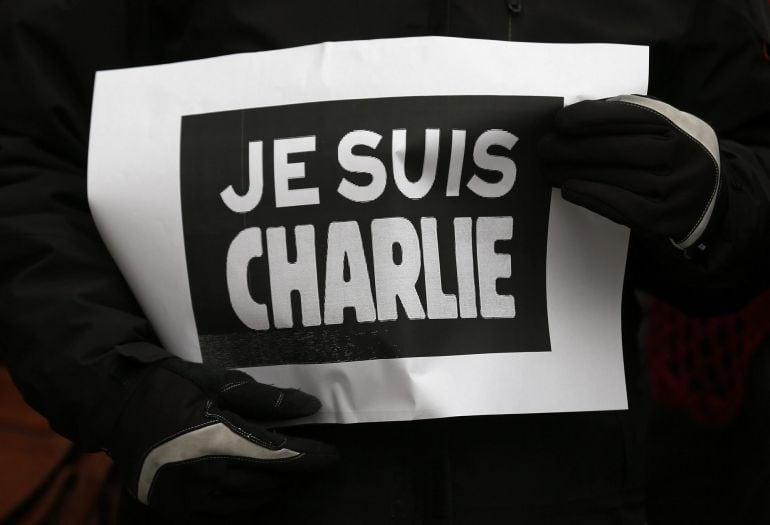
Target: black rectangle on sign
[{"x": 367, "y": 229}]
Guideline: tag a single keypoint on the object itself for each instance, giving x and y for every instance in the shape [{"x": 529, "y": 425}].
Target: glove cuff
[
  {"x": 702, "y": 135},
  {"x": 711, "y": 231}
]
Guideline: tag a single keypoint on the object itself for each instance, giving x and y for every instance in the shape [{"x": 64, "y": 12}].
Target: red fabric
[
  {"x": 700, "y": 364},
  {"x": 43, "y": 480}
]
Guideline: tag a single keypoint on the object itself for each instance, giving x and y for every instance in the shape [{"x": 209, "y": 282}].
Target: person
[{"x": 86, "y": 357}]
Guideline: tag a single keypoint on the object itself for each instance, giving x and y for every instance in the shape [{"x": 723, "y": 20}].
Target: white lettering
[
  {"x": 344, "y": 243},
  {"x": 300, "y": 276},
  {"x": 440, "y": 305},
  {"x": 420, "y": 188},
  {"x": 361, "y": 164},
  {"x": 493, "y": 266},
  {"x": 484, "y": 160},
  {"x": 284, "y": 171},
  {"x": 466, "y": 279},
  {"x": 249, "y": 201},
  {"x": 246, "y": 246},
  {"x": 456, "y": 163},
  {"x": 393, "y": 280}
]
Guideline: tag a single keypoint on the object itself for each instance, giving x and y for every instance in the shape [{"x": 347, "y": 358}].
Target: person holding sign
[{"x": 687, "y": 171}]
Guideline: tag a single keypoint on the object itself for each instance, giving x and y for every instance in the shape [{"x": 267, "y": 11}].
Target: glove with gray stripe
[
  {"x": 193, "y": 442},
  {"x": 639, "y": 162}
]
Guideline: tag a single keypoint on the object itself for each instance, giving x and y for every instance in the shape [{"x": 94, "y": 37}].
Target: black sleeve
[
  {"x": 70, "y": 329},
  {"x": 721, "y": 73}
]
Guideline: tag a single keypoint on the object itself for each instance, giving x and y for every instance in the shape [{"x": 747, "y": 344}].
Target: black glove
[
  {"x": 639, "y": 162},
  {"x": 193, "y": 443}
]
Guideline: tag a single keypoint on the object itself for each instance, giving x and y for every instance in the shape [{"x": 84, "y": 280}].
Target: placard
[{"x": 367, "y": 221}]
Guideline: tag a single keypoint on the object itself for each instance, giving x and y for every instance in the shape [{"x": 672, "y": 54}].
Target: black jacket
[{"x": 75, "y": 338}]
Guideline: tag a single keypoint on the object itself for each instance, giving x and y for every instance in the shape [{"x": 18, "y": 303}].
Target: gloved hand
[
  {"x": 193, "y": 443},
  {"x": 639, "y": 162}
]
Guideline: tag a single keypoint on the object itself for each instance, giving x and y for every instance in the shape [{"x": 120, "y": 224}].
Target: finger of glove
[
  {"x": 648, "y": 183},
  {"x": 259, "y": 401},
  {"x": 237, "y": 390},
  {"x": 632, "y": 151},
  {"x": 290, "y": 453},
  {"x": 591, "y": 117},
  {"x": 617, "y": 204}
]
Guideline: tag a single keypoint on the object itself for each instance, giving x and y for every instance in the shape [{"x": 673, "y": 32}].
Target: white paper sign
[{"x": 367, "y": 221}]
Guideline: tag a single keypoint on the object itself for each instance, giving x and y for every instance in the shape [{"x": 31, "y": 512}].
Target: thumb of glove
[{"x": 195, "y": 441}]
